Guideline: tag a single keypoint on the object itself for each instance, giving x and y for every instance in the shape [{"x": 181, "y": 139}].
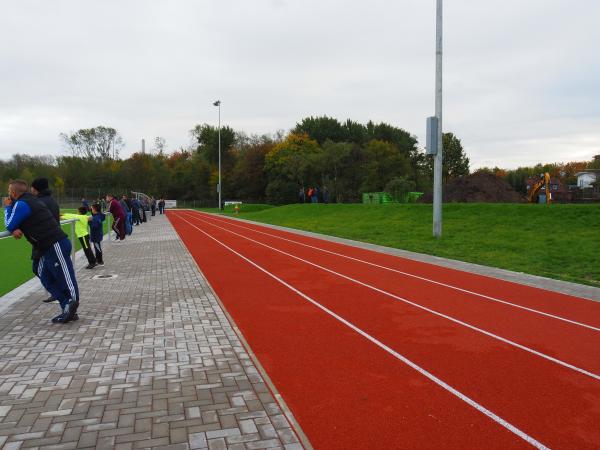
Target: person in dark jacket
[
  {"x": 41, "y": 190},
  {"x": 97, "y": 232},
  {"x": 119, "y": 217},
  {"x": 135, "y": 211},
  {"x": 25, "y": 215}
]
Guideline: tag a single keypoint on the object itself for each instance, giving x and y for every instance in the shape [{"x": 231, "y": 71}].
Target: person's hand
[
  {"x": 7, "y": 201},
  {"x": 17, "y": 234}
]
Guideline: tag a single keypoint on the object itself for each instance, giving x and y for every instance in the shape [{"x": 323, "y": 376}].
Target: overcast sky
[{"x": 521, "y": 78}]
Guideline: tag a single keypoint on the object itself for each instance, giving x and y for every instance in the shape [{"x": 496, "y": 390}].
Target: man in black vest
[
  {"x": 25, "y": 215},
  {"x": 40, "y": 188}
]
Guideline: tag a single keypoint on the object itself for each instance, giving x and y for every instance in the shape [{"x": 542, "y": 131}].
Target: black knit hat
[{"x": 40, "y": 184}]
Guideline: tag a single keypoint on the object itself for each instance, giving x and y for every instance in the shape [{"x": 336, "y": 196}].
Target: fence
[{"x": 6, "y": 234}]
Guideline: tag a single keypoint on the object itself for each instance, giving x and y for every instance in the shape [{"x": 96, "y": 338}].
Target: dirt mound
[{"x": 478, "y": 187}]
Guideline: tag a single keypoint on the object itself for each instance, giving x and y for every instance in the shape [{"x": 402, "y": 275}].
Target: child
[
  {"x": 96, "y": 231},
  {"x": 81, "y": 230}
]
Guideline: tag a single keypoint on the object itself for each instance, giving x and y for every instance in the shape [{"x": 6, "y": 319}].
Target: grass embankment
[
  {"x": 15, "y": 258},
  {"x": 559, "y": 241}
]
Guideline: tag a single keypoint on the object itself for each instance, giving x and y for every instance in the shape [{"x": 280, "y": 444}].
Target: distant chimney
[{"x": 143, "y": 146}]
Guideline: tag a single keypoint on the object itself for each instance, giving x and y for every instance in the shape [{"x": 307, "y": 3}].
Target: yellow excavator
[{"x": 534, "y": 193}]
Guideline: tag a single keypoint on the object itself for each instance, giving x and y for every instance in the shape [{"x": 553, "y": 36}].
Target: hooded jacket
[{"x": 96, "y": 231}]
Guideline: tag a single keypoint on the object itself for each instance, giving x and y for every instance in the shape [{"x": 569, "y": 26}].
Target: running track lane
[
  {"x": 576, "y": 345},
  {"x": 347, "y": 393}
]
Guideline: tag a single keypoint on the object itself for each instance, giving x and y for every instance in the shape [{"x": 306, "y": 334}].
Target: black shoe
[
  {"x": 50, "y": 300},
  {"x": 91, "y": 266},
  {"x": 59, "y": 319},
  {"x": 75, "y": 317},
  {"x": 70, "y": 310},
  {"x": 100, "y": 263}
]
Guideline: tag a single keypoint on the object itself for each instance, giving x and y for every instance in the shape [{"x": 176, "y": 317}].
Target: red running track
[{"x": 374, "y": 351}]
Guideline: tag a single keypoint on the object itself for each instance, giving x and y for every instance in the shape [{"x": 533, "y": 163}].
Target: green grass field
[
  {"x": 15, "y": 259},
  {"x": 559, "y": 241}
]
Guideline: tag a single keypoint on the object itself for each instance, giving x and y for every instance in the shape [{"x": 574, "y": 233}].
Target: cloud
[{"x": 521, "y": 80}]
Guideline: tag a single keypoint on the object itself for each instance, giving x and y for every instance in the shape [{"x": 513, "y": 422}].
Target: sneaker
[
  {"x": 100, "y": 263},
  {"x": 50, "y": 300},
  {"x": 70, "y": 310},
  {"x": 59, "y": 319},
  {"x": 90, "y": 266}
]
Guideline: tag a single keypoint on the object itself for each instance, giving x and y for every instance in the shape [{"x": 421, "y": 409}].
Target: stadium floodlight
[{"x": 218, "y": 104}]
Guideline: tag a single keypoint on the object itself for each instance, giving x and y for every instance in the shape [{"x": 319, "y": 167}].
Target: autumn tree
[{"x": 94, "y": 143}]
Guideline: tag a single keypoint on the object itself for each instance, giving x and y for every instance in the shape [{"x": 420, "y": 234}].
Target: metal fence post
[
  {"x": 108, "y": 224},
  {"x": 73, "y": 242}
]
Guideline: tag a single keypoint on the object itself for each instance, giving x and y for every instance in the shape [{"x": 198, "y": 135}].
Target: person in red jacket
[{"x": 119, "y": 216}]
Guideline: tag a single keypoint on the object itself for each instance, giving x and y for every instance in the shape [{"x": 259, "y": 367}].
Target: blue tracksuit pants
[{"x": 56, "y": 273}]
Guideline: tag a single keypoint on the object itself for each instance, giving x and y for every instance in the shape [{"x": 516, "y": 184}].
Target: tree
[
  {"x": 382, "y": 162},
  {"x": 94, "y": 143},
  {"x": 321, "y": 129},
  {"x": 207, "y": 137},
  {"x": 399, "y": 187},
  {"x": 160, "y": 144},
  {"x": 292, "y": 163},
  {"x": 595, "y": 164},
  {"x": 456, "y": 162}
]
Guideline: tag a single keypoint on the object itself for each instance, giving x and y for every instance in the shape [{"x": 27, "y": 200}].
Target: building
[{"x": 587, "y": 178}]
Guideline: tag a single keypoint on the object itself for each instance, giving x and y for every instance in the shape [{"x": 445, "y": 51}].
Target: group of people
[
  {"x": 313, "y": 195},
  {"x": 33, "y": 213}
]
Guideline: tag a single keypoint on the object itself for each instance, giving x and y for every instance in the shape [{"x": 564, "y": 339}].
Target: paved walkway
[{"x": 152, "y": 363}]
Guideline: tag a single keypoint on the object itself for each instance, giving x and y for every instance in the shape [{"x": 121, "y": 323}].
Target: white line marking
[
  {"x": 424, "y": 308},
  {"x": 499, "y": 420},
  {"x": 466, "y": 291}
]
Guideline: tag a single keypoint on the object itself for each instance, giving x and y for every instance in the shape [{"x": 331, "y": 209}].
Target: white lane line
[
  {"x": 499, "y": 420},
  {"x": 416, "y": 305},
  {"x": 466, "y": 291}
]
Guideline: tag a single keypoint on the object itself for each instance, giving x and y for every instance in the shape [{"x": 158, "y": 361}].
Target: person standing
[
  {"x": 301, "y": 198},
  {"x": 97, "y": 232},
  {"x": 135, "y": 211},
  {"x": 41, "y": 190},
  {"x": 25, "y": 215},
  {"x": 81, "y": 230},
  {"x": 153, "y": 206},
  {"x": 161, "y": 205},
  {"x": 119, "y": 217}
]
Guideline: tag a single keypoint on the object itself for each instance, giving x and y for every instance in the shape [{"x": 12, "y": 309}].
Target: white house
[{"x": 587, "y": 177}]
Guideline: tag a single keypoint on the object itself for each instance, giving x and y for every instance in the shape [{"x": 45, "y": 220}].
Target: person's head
[
  {"x": 39, "y": 185},
  {"x": 124, "y": 197},
  {"x": 82, "y": 210},
  {"x": 95, "y": 208},
  {"x": 109, "y": 197},
  {"x": 16, "y": 188}
]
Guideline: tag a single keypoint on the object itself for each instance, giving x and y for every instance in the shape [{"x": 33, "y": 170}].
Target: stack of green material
[{"x": 376, "y": 197}]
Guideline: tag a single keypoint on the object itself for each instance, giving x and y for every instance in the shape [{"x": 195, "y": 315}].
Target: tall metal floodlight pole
[
  {"x": 437, "y": 168},
  {"x": 218, "y": 104}
]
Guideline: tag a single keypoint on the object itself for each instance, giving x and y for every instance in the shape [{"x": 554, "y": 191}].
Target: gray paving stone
[{"x": 153, "y": 361}]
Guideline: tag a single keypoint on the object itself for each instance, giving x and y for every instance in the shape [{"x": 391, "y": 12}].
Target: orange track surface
[{"x": 538, "y": 375}]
